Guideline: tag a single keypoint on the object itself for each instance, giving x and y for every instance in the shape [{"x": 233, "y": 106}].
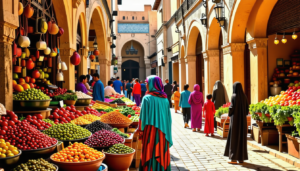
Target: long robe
[
  {"x": 236, "y": 146},
  {"x": 218, "y": 96},
  {"x": 196, "y": 102},
  {"x": 209, "y": 110}
]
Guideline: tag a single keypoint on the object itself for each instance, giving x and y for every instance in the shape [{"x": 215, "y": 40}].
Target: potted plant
[{"x": 293, "y": 141}]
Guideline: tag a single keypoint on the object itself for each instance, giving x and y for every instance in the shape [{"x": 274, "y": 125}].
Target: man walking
[
  {"x": 144, "y": 89},
  {"x": 136, "y": 92},
  {"x": 118, "y": 85},
  {"x": 168, "y": 90},
  {"x": 129, "y": 89},
  {"x": 98, "y": 89}
]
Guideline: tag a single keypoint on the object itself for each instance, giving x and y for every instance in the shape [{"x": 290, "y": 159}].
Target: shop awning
[{"x": 151, "y": 56}]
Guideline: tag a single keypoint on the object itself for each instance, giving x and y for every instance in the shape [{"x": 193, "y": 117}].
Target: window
[
  {"x": 132, "y": 17},
  {"x": 143, "y": 18},
  {"x": 123, "y": 17}
]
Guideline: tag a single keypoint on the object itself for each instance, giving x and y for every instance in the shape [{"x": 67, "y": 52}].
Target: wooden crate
[
  {"x": 293, "y": 146},
  {"x": 256, "y": 134},
  {"x": 270, "y": 137}
]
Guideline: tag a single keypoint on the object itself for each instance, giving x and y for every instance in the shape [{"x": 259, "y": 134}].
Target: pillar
[
  {"x": 148, "y": 69},
  {"x": 182, "y": 73},
  {"x": 191, "y": 80},
  {"x": 258, "y": 69},
  {"x": 233, "y": 65},
  {"x": 7, "y": 34},
  {"x": 109, "y": 70},
  {"x": 83, "y": 63},
  {"x": 212, "y": 68},
  {"x": 176, "y": 72},
  {"x": 103, "y": 70},
  {"x": 69, "y": 75},
  {"x": 164, "y": 69}
]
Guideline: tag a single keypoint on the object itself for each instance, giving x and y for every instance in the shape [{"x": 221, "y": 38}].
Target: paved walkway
[{"x": 195, "y": 151}]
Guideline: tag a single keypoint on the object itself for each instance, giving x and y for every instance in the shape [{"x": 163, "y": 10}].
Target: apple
[
  {"x": 21, "y": 80},
  {"x": 31, "y": 85},
  {"x": 32, "y": 80},
  {"x": 26, "y": 86},
  {"x": 14, "y": 83},
  {"x": 18, "y": 88},
  {"x": 27, "y": 79}
]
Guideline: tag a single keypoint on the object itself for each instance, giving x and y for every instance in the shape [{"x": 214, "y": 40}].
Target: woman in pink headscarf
[{"x": 196, "y": 102}]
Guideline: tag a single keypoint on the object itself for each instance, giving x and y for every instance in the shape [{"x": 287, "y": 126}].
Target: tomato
[
  {"x": 11, "y": 123},
  {"x": 39, "y": 116},
  {"x": 4, "y": 123},
  {"x": 2, "y": 132}
]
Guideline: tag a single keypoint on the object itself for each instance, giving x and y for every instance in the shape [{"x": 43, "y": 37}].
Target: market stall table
[
  {"x": 282, "y": 130},
  {"x": 45, "y": 113},
  {"x": 81, "y": 108},
  {"x": 267, "y": 131}
]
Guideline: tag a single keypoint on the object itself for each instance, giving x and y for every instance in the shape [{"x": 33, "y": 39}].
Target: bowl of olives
[
  {"x": 38, "y": 164},
  {"x": 121, "y": 154}
]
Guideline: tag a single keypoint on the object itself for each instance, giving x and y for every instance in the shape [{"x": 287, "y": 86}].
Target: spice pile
[
  {"x": 104, "y": 138},
  {"x": 115, "y": 117},
  {"x": 97, "y": 126}
]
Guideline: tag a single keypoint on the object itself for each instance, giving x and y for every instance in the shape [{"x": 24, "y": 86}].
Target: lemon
[
  {"x": 2, "y": 144},
  {"x": 15, "y": 152},
  {"x": 2, "y": 156},
  {"x": 7, "y": 144},
  {"x": 6, "y": 147},
  {"x": 2, "y": 140},
  {"x": 10, "y": 154},
  {"x": 3, "y": 151}
]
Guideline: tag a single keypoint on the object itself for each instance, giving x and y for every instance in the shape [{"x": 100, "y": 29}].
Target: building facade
[
  {"x": 135, "y": 42},
  {"x": 236, "y": 45},
  {"x": 76, "y": 18}
]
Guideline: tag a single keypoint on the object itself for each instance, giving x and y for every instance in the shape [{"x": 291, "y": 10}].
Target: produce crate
[
  {"x": 266, "y": 126},
  {"x": 256, "y": 133},
  {"x": 293, "y": 145},
  {"x": 223, "y": 125},
  {"x": 270, "y": 137},
  {"x": 282, "y": 131}
]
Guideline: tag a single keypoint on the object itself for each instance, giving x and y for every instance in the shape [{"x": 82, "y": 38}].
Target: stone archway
[
  {"x": 130, "y": 69},
  {"x": 138, "y": 57}
]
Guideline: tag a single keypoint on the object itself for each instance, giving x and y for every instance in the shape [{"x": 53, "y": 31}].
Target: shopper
[
  {"x": 98, "y": 89},
  {"x": 81, "y": 86},
  {"x": 143, "y": 89},
  {"x": 196, "y": 102},
  {"x": 118, "y": 85},
  {"x": 209, "y": 112},
  {"x": 109, "y": 90},
  {"x": 218, "y": 97},
  {"x": 236, "y": 146},
  {"x": 137, "y": 92},
  {"x": 129, "y": 89},
  {"x": 156, "y": 128},
  {"x": 175, "y": 85},
  {"x": 168, "y": 90},
  {"x": 176, "y": 100},
  {"x": 184, "y": 104}
]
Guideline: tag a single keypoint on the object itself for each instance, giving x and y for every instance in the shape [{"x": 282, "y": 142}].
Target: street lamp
[
  {"x": 95, "y": 44},
  {"x": 203, "y": 19},
  {"x": 220, "y": 14}
]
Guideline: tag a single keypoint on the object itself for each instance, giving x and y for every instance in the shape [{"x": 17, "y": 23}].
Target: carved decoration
[
  {"x": 213, "y": 53},
  {"x": 84, "y": 52},
  {"x": 191, "y": 58},
  {"x": 205, "y": 55},
  {"x": 258, "y": 43},
  {"x": 103, "y": 61},
  {"x": 66, "y": 52},
  {"x": 76, "y": 3},
  {"x": 7, "y": 32},
  {"x": 233, "y": 47}
]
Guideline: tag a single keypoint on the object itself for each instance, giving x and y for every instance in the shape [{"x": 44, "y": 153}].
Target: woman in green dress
[{"x": 155, "y": 128}]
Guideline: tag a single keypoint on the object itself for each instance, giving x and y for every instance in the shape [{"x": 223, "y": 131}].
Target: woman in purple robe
[{"x": 196, "y": 102}]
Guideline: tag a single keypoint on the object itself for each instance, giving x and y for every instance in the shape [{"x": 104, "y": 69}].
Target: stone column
[
  {"x": 103, "y": 70},
  {"x": 83, "y": 63},
  {"x": 148, "y": 69},
  {"x": 176, "y": 72},
  {"x": 234, "y": 62},
  {"x": 165, "y": 69},
  {"x": 182, "y": 73},
  {"x": 212, "y": 67},
  {"x": 258, "y": 69},
  {"x": 7, "y": 34},
  {"x": 108, "y": 76},
  {"x": 69, "y": 75},
  {"x": 191, "y": 61}
]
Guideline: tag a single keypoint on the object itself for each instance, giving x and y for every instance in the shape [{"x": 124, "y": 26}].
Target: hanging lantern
[
  {"x": 92, "y": 57},
  {"x": 64, "y": 66},
  {"x": 75, "y": 59},
  {"x": 60, "y": 32},
  {"x": 283, "y": 40},
  {"x": 59, "y": 76},
  {"x": 276, "y": 41},
  {"x": 203, "y": 19},
  {"x": 220, "y": 14},
  {"x": 96, "y": 52},
  {"x": 294, "y": 36}
]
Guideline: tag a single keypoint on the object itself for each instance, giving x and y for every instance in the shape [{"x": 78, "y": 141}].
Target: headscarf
[
  {"x": 196, "y": 95},
  {"x": 218, "y": 94},
  {"x": 239, "y": 98},
  {"x": 156, "y": 87}
]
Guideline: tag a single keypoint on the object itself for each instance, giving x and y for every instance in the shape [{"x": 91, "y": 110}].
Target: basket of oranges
[
  {"x": 9, "y": 154},
  {"x": 78, "y": 157}
]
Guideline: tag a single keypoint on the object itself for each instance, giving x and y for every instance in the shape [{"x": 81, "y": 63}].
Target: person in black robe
[
  {"x": 236, "y": 146},
  {"x": 218, "y": 97}
]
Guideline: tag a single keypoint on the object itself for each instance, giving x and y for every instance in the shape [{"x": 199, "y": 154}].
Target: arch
[
  {"x": 238, "y": 20},
  {"x": 130, "y": 69},
  {"x": 258, "y": 21},
  {"x": 99, "y": 26},
  {"x": 213, "y": 35},
  {"x": 64, "y": 20},
  {"x": 81, "y": 19},
  {"x": 123, "y": 42},
  {"x": 194, "y": 31},
  {"x": 182, "y": 52}
]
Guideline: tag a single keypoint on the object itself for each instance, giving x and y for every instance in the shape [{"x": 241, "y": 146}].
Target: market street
[{"x": 195, "y": 151}]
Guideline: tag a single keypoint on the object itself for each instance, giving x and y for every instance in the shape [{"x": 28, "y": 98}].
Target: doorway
[
  {"x": 199, "y": 65},
  {"x": 247, "y": 72},
  {"x": 130, "y": 69}
]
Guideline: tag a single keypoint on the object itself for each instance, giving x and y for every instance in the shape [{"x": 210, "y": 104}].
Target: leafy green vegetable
[
  {"x": 120, "y": 133},
  {"x": 109, "y": 110},
  {"x": 65, "y": 97},
  {"x": 128, "y": 111}
]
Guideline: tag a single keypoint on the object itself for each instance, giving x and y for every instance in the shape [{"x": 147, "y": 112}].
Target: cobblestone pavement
[{"x": 195, "y": 151}]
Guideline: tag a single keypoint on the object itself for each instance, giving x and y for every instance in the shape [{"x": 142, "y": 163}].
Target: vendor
[
  {"x": 109, "y": 90},
  {"x": 81, "y": 86},
  {"x": 98, "y": 89}
]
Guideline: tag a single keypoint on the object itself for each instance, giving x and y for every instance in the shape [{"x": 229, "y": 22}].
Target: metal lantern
[
  {"x": 203, "y": 19},
  {"x": 95, "y": 44},
  {"x": 132, "y": 50},
  {"x": 64, "y": 66},
  {"x": 220, "y": 14}
]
